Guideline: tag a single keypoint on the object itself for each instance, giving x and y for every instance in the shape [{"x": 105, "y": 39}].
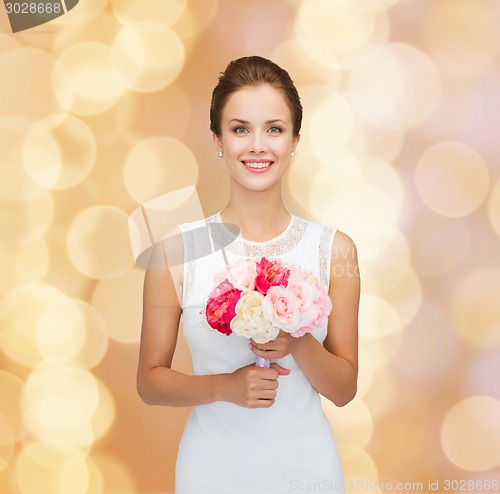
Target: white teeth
[{"x": 258, "y": 165}]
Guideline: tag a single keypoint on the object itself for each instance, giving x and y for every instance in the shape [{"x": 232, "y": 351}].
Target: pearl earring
[
  {"x": 220, "y": 154},
  {"x": 291, "y": 154}
]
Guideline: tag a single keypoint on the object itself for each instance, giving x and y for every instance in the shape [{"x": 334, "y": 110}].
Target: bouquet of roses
[{"x": 258, "y": 299}]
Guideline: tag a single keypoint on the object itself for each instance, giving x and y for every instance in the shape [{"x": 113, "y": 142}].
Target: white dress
[{"x": 229, "y": 449}]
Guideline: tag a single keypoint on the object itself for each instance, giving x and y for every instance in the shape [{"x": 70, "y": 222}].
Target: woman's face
[{"x": 256, "y": 136}]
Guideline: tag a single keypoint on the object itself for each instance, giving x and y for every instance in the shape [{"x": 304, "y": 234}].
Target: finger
[{"x": 282, "y": 371}]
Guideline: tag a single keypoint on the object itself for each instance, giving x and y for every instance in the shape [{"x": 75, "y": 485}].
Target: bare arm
[{"x": 159, "y": 384}]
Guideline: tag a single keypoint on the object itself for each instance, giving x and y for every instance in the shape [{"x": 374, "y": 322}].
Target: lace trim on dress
[
  {"x": 189, "y": 265},
  {"x": 324, "y": 253},
  {"x": 255, "y": 250}
]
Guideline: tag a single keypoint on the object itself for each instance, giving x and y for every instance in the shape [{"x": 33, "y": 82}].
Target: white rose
[{"x": 250, "y": 321}]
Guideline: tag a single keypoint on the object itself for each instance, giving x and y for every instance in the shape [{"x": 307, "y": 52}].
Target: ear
[
  {"x": 217, "y": 141},
  {"x": 295, "y": 141}
]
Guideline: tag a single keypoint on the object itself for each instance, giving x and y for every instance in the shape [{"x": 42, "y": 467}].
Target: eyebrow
[{"x": 274, "y": 120}]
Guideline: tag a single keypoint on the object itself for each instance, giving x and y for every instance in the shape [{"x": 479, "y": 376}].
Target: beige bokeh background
[{"x": 106, "y": 108}]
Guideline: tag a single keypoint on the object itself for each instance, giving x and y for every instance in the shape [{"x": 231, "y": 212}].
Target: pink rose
[
  {"x": 270, "y": 273},
  {"x": 281, "y": 307},
  {"x": 242, "y": 274},
  {"x": 321, "y": 308},
  {"x": 220, "y": 308}
]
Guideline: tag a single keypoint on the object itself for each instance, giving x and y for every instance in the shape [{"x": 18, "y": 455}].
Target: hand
[
  {"x": 283, "y": 345},
  {"x": 253, "y": 387}
]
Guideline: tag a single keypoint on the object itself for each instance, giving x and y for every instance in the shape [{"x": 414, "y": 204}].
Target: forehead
[{"x": 257, "y": 103}]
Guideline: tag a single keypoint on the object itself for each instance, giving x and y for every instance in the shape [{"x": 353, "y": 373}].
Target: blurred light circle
[
  {"x": 7, "y": 42},
  {"x": 156, "y": 165},
  {"x": 331, "y": 125},
  {"x": 337, "y": 170},
  {"x": 365, "y": 374},
  {"x": 24, "y": 222},
  {"x": 359, "y": 467},
  {"x": 431, "y": 236},
  {"x": 452, "y": 179},
  {"x": 378, "y": 131},
  {"x": 85, "y": 13},
  {"x": 117, "y": 302},
  {"x": 23, "y": 264},
  {"x": 381, "y": 350},
  {"x": 84, "y": 69},
  {"x": 373, "y": 5},
  {"x": 10, "y": 407},
  {"x": 380, "y": 36},
  {"x": 80, "y": 437},
  {"x": 196, "y": 18},
  {"x": 423, "y": 329},
  {"x": 377, "y": 317},
  {"x": 351, "y": 205},
  {"x": 7, "y": 443},
  {"x": 403, "y": 76},
  {"x": 61, "y": 397},
  {"x": 19, "y": 313},
  {"x": 479, "y": 376},
  {"x": 337, "y": 25},
  {"x": 147, "y": 56},
  {"x": 141, "y": 115},
  {"x": 116, "y": 475},
  {"x": 300, "y": 177},
  {"x": 384, "y": 177},
  {"x": 60, "y": 331},
  {"x": 105, "y": 414},
  {"x": 67, "y": 471},
  {"x": 353, "y": 428},
  {"x": 59, "y": 151},
  {"x": 26, "y": 83},
  {"x": 130, "y": 11},
  {"x": 475, "y": 306},
  {"x": 16, "y": 184},
  {"x": 396, "y": 282},
  {"x": 383, "y": 392},
  {"x": 462, "y": 37},
  {"x": 98, "y": 242},
  {"x": 96, "y": 480},
  {"x": 399, "y": 249},
  {"x": 95, "y": 342},
  {"x": 312, "y": 97},
  {"x": 102, "y": 29},
  {"x": 310, "y": 62},
  {"x": 470, "y": 434},
  {"x": 494, "y": 208}
]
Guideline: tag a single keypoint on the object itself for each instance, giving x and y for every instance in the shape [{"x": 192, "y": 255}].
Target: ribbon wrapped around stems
[{"x": 263, "y": 362}]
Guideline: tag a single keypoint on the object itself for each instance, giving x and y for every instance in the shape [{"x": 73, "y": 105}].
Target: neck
[{"x": 258, "y": 214}]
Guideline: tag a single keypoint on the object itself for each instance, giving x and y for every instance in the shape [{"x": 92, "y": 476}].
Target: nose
[{"x": 257, "y": 143}]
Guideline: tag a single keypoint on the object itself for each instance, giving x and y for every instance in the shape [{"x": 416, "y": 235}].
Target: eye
[
  {"x": 275, "y": 130},
  {"x": 240, "y": 130}
]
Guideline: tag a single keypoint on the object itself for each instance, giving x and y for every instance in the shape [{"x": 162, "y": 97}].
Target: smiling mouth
[{"x": 257, "y": 165}]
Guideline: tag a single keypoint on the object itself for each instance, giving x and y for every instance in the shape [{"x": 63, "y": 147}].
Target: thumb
[{"x": 281, "y": 370}]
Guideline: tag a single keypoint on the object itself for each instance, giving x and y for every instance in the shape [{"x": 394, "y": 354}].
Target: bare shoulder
[{"x": 343, "y": 249}]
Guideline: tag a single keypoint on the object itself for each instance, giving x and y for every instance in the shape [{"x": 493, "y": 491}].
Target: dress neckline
[
  {"x": 277, "y": 246},
  {"x": 239, "y": 238}
]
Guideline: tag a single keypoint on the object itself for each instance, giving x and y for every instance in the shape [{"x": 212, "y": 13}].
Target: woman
[{"x": 254, "y": 429}]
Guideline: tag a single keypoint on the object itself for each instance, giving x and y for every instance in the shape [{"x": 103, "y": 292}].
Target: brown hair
[{"x": 253, "y": 71}]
